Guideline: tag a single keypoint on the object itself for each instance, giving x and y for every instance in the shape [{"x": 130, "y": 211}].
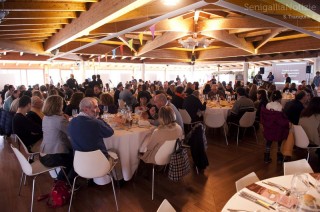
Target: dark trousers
[{"x": 62, "y": 159}]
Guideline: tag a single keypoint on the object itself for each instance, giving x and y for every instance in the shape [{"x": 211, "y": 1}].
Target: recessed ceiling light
[{"x": 170, "y": 2}]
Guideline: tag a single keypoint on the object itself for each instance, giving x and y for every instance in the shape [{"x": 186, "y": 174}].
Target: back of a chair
[
  {"x": 166, "y": 207},
  {"x": 185, "y": 116},
  {"x": 162, "y": 156},
  {"x": 91, "y": 164},
  {"x": 248, "y": 118},
  {"x": 22, "y": 144},
  {"x": 246, "y": 180},
  {"x": 297, "y": 167},
  {"x": 300, "y": 137},
  {"x": 25, "y": 165},
  {"x": 214, "y": 119}
]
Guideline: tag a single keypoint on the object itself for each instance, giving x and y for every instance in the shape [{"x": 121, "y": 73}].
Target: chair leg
[
  {"x": 197, "y": 170},
  {"x": 152, "y": 182},
  {"x": 225, "y": 135},
  {"x": 65, "y": 175},
  {"x": 244, "y": 131},
  {"x": 308, "y": 156},
  {"x": 21, "y": 179},
  {"x": 114, "y": 193},
  {"x": 32, "y": 197},
  {"x": 255, "y": 133},
  {"x": 238, "y": 137},
  {"x": 74, "y": 182}
]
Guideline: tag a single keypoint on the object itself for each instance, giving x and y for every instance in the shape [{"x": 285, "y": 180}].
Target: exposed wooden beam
[
  {"x": 224, "y": 36},
  {"x": 41, "y": 15},
  {"x": 254, "y": 33},
  {"x": 38, "y": 31},
  {"x": 136, "y": 37},
  {"x": 30, "y": 27},
  {"x": 218, "y": 53},
  {"x": 100, "y": 13},
  {"x": 254, "y": 39},
  {"x": 30, "y": 22},
  {"x": 108, "y": 42},
  {"x": 27, "y": 57},
  {"x": 44, "y": 6},
  {"x": 22, "y": 46},
  {"x": 25, "y": 36},
  {"x": 12, "y": 35},
  {"x": 167, "y": 54},
  {"x": 241, "y": 30},
  {"x": 274, "y": 32},
  {"x": 79, "y": 1},
  {"x": 160, "y": 40}
]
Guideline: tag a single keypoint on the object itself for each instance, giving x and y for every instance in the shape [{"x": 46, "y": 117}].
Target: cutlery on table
[
  {"x": 256, "y": 200},
  {"x": 280, "y": 187},
  {"x": 241, "y": 210}
]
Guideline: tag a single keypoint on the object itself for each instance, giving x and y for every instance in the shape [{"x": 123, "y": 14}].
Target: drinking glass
[
  {"x": 105, "y": 109},
  {"x": 299, "y": 185},
  {"x": 74, "y": 112}
]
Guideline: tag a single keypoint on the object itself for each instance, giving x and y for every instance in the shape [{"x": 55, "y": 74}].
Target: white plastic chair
[
  {"x": 162, "y": 157},
  {"x": 31, "y": 154},
  {"x": 246, "y": 180},
  {"x": 296, "y": 167},
  {"x": 33, "y": 170},
  {"x": 186, "y": 119},
  {"x": 166, "y": 207},
  {"x": 121, "y": 103},
  {"x": 246, "y": 121},
  {"x": 302, "y": 140},
  {"x": 90, "y": 165},
  {"x": 216, "y": 120}
]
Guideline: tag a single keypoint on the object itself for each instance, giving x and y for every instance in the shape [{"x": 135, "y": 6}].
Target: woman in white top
[
  {"x": 167, "y": 130},
  {"x": 275, "y": 103}
]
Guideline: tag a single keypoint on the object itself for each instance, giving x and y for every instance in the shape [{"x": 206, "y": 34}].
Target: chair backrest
[
  {"x": 162, "y": 156},
  {"x": 91, "y": 164},
  {"x": 166, "y": 207},
  {"x": 246, "y": 180},
  {"x": 300, "y": 137},
  {"x": 121, "y": 103},
  {"x": 185, "y": 116},
  {"x": 17, "y": 138},
  {"x": 248, "y": 118},
  {"x": 214, "y": 119},
  {"x": 296, "y": 167},
  {"x": 25, "y": 165}
]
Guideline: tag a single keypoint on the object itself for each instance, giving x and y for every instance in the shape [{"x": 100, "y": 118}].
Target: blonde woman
[
  {"x": 167, "y": 130},
  {"x": 56, "y": 149}
]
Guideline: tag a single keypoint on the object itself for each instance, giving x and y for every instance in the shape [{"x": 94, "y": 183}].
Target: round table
[
  {"x": 126, "y": 143},
  {"x": 240, "y": 203}
]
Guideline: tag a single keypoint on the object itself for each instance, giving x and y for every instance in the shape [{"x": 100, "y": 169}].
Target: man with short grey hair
[
  {"x": 161, "y": 100},
  {"x": 86, "y": 131}
]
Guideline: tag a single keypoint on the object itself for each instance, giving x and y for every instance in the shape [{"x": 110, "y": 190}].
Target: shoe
[
  {"x": 279, "y": 158},
  {"x": 91, "y": 182},
  {"x": 267, "y": 158}
]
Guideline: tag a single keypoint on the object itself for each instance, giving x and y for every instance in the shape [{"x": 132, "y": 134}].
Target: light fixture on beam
[
  {"x": 21, "y": 53},
  {"x": 193, "y": 42},
  {"x": 170, "y": 2}
]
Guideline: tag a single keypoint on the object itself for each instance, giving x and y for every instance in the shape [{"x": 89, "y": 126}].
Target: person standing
[
  {"x": 86, "y": 131},
  {"x": 99, "y": 81},
  {"x": 72, "y": 83},
  {"x": 270, "y": 77},
  {"x": 288, "y": 79},
  {"x": 316, "y": 79}
]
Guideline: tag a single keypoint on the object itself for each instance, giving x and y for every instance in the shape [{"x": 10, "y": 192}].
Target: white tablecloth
[
  {"x": 225, "y": 110},
  {"x": 237, "y": 202},
  {"x": 126, "y": 144}
]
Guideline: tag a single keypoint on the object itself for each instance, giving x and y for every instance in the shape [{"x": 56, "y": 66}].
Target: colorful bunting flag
[
  {"x": 130, "y": 44},
  {"x": 152, "y": 29},
  {"x": 141, "y": 38},
  {"x": 106, "y": 55},
  {"x": 121, "y": 49},
  {"x": 114, "y": 53}
]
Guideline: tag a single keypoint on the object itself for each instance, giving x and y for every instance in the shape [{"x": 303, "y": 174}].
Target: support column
[
  {"x": 82, "y": 70},
  {"x": 143, "y": 69},
  {"x": 245, "y": 72}
]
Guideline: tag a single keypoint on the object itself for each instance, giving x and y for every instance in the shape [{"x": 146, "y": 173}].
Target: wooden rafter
[
  {"x": 22, "y": 46},
  {"x": 41, "y": 15},
  {"x": 274, "y": 32},
  {"x": 224, "y": 36},
  {"x": 44, "y": 6},
  {"x": 126, "y": 42}
]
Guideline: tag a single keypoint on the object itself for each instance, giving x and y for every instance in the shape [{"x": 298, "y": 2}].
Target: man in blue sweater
[{"x": 86, "y": 131}]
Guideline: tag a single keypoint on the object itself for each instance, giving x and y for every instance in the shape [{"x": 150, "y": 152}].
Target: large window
[{"x": 34, "y": 77}]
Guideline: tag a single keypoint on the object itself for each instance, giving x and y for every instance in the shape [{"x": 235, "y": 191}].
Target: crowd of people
[{"x": 42, "y": 113}]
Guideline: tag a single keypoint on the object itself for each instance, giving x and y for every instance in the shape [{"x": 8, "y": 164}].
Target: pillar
[
  {"x": 245, "y": 72},
  {"x": 143, "y": 69}
]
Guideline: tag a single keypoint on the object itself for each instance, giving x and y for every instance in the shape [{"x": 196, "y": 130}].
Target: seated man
[
  {"x": 27, "y": 130},
  {"x": 193, "y": 105},
  {"x": 293, "y": 108},
  {"x": 86, "y": 131},
  {"x": 161, "y": 100},
  {"x": 241, "y": 105}
]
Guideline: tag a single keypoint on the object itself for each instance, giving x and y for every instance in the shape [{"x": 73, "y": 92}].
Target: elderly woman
[
  {"x": 56, "y": 149},
  {"x": 167, "y": 130}
]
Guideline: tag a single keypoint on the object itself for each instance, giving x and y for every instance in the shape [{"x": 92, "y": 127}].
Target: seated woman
[
  {"x": 107, "y": 100},
  {"x": 74, "y": 103},
  {"x": 262, "y": 101},
  {"x": 310, "y": 120},
  {"x": 167, "y": 130},
  {"x": 56, "y": 149},
  {"x": 143, "y": 104},
  {"x": 275, "y": 125}
]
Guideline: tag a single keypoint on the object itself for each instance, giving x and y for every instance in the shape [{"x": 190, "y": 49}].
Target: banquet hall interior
[{"x": 161, "y": 43}]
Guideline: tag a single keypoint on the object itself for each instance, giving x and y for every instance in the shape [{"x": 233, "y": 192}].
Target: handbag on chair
[{"x": 179, "y": 162}]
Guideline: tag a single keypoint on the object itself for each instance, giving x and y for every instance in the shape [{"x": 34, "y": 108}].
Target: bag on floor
[
  {"x": 60, "y": 194},
  {"x": 179, "y": 163}
]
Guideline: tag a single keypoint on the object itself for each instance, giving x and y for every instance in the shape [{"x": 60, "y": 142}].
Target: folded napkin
[{"x": 143, "y": 123}]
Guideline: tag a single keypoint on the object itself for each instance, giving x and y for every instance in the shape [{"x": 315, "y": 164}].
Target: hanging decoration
[
  {"x": 114, "y": 53},
  {"x": 121, "y": 49},
  {"x": 152, "y": 29},
  {"x": 141, "y": 38},
  {"x": 131, "y": 44}
]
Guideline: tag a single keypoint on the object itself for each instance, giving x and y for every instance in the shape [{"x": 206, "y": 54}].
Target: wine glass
[
  {"x": 105, "y": 109},
  {"x": 74, "y": 112},
  {"x": 299, "y": 185}
]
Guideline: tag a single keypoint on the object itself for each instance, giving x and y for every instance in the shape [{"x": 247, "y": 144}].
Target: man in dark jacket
[
  {"x": 193, "y": 105},
  {"x": 293, "y": 108},
  {"x": 72, "y": 83},
  {"x": 177, "y": 99}
]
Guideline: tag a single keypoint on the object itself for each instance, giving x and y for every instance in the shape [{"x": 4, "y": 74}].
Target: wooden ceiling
[{"x": 238, "y": 30}]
